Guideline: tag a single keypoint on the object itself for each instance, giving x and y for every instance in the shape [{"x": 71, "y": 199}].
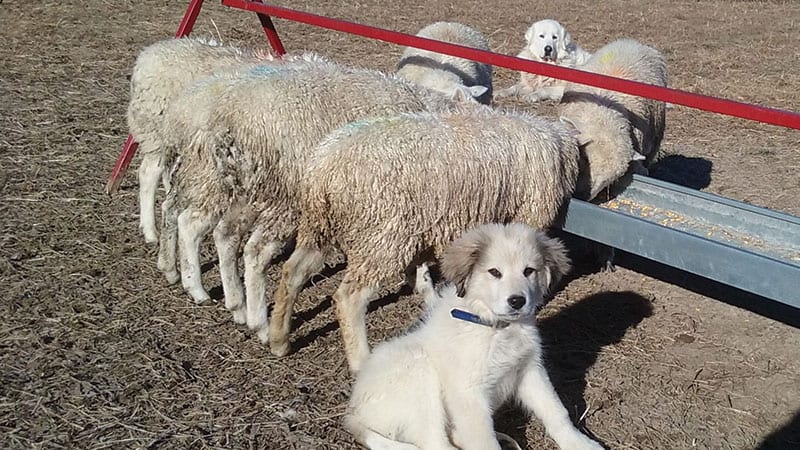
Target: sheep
[
  {"x": 622, "y": 133},
  {"x": 244, "y": 146},
  {"x": 387, "y": 191},
  {"x": 448, "y": 74},
  {"x": 161, "y": 71}
]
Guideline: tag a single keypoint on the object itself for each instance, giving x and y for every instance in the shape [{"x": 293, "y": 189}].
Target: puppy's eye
[
  {"x": 541, "y": 36},
  {"x": 528, "y": 271},
  {"x": 495, "y": 273}
]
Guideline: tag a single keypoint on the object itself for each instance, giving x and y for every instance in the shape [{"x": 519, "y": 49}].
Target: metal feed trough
[{"x": 747, "y": 247}]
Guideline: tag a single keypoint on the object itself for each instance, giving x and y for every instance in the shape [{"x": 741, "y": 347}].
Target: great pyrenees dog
[
  {"x": 549, "y": 42},
  {"x": 478, "y": 346}
]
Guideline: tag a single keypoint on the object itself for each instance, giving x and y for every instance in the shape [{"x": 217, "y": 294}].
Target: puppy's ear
[
  {"x": 529, "y": 33},
  {"x": 556, "y": 261},
  {"x": 565, "y": 42},
  {"x": 460, "y": 258}
]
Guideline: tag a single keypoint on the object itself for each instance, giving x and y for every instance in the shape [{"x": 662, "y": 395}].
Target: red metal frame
[
  {"x": 742, "y": 110},
  {"x": 763, "y": 114},
  {"x": 272, "y": 34}
]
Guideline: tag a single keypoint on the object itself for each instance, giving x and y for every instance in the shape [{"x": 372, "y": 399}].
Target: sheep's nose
[
  {"x": 516, "y": 301},
  {"x": 548, "y": 49}
]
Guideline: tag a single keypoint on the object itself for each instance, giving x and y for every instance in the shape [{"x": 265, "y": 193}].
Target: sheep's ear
[
  {"x": 477, "y": 91},
  {"x": 556, "y": 261},
  {"x": 575, "y": 131},
  {"x": 460, "y": 258},
  {"x": 468, "y": 94}
]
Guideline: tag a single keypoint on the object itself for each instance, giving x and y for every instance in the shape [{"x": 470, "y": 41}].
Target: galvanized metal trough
[{"x": 747, "y": 247}]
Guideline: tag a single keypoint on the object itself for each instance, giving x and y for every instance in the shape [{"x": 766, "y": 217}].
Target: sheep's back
[
  {"x": 427, "y": 176},
  {"x": 248, "y": 139},
  {"x": 162, "y": 70}
]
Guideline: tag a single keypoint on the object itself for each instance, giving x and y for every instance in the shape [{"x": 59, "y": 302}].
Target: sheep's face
[
  {"x": 547, "y": 40},
  {"x": 451, "y": 86},
  {"x": 606, "y": 152}
]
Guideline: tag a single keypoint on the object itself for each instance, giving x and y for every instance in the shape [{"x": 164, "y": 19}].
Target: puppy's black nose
[
  {"x": 516, "y": 301},
  {"x": 548, "y": 49}
]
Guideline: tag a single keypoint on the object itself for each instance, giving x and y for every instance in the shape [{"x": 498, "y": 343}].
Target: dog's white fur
[
  {"x": 437, "y": 386},
  {"x": 547, "y": 41}
]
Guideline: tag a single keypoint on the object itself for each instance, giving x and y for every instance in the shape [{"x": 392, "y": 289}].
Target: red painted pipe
[
  {"x": 129, "y": 149},
  {"x": 189, "y": 18},
  {"x": 272, "y": 34},
  {"x": 763, "y": 114}
]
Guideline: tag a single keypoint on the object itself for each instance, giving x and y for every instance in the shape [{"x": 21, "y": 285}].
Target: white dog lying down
[
  {"x": 437, "y": 387},
  {"x": 546, "y": 41}
]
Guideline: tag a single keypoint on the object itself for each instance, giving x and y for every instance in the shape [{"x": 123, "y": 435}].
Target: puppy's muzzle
[
  {"x": 516, "y": 302},
  {"x": 548, "y": 52}
]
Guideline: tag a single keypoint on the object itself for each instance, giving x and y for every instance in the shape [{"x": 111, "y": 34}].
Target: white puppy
[
  {"x": 546, "y": 41},
  {"x": 437, "y": 387}
]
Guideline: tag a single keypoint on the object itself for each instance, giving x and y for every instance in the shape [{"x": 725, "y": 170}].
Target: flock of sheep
[{"x": 377, "y": 168}]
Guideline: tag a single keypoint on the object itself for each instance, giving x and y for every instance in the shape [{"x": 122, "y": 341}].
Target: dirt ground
[{"x": 96, "y": 351}]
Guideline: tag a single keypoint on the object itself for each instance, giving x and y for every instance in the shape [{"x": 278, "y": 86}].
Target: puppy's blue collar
[{"x": 460, "y": 314}]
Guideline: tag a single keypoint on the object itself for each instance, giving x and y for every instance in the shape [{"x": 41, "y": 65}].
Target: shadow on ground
[
  {"x": 712, "y": 289},
  {"x": 572, "y": 339},
  {"x": 686, "y": 171},
  {"x": 788, "y": 436}
]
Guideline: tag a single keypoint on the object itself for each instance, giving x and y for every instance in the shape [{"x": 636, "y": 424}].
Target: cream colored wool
[
  {"x": 447, "y": 74},
  {"x": 161, "y": 71},
  {"x": 386, "y": 191},
  {"x": 243, "y": 144},
  {"x": 623, "y": 131}
]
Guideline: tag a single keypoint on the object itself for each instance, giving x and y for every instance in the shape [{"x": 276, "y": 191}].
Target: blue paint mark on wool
[
  {"x": 357, "y": 125},
  {"x": 267, "y": 70}
]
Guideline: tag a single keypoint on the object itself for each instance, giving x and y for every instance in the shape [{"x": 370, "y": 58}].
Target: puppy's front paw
[{"x": 580, "y": 441}]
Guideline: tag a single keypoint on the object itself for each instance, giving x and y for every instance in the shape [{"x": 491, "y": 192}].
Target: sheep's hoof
[
  {"x": 263, "y": 336},
  {"x": 150, "y": 237},
  {"x": 280, "y": 349},
  {"x": 201, "y": 299},
  {"x": 239, "y": 316},
  {"x": 173, "y": 277}
]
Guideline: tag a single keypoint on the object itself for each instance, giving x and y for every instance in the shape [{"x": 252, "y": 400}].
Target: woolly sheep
[
  {"x": 622, "y": 133},
  {"x": 447, "y": 74},
  {"x": 386, "y": 191},
  {"x": 244, "y": 146},
  {"x": 161, "y": 71}
]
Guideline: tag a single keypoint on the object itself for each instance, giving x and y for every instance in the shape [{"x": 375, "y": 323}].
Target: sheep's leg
[
  {"x": 258, "y": 252},
  {"x": 149, "y": 174},
  {"x": 227, "y": 238},
  {"x": 301, "y": 266},
  {"x": 192, "y": 226},
  {"x": 168, "y": 242},
  {"x": 351, "y": 309}
]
